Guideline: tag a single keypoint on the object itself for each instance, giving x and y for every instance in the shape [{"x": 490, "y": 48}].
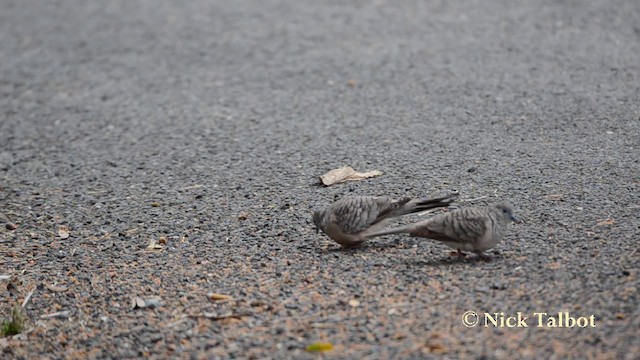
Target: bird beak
[{"x": 515, "y": 219}]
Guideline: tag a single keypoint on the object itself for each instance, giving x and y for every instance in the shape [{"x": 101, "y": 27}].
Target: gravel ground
[{"x": 203, "y": 126}]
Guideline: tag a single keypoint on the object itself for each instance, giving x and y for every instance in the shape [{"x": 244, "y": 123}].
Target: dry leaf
[
  {"x": 345, "y": 174},
  {"x": 218, "y": 297},
  {"x": 628, "y": 291},
  {"x": 620, "y": 316},
  {"x": 63, "y": 232},
  {"x": 55, "y": 288},
  {"x": 320, "y": 346},
  {"x": 435, "y": 285},
  {"x": 162, "y": 240},
  {"x": 138, "y": 302},
  {"x": 437, "y": 348},
  {"x": 606, "y": 222},
  {"x": 152, "y": 302},
  {"x": 216, "y": 316},
  {"x": 11, "y": 226},
  {"x": 243, "y": 215},
  {"x": 154, "y": 245},
  {"x": 434, "y": 344},
  {"x": 155, "y": 204},
  {"x": 554, "y": 265},
  {"x": 354, "y": 303},
  {"x": 554, "y": 197}
]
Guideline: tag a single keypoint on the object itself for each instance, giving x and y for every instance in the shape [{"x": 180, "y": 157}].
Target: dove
[
  {"x": 350, "y": 220},
  {"x": 474, "y": 229}
]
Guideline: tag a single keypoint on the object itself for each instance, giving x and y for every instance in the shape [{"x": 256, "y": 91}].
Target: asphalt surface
[{"x": 204, "y": 126}]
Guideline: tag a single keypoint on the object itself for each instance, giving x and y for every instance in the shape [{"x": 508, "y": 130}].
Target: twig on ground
[{"x": 26, "y": 299}]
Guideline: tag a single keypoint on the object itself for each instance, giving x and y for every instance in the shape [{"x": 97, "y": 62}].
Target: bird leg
[
  {"x": 458, "y": 253},
  {"x": 482, "y": 256}
]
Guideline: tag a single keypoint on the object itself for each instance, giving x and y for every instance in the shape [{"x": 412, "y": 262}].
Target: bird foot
[
  {"x": 458, "y": 253},
  {"x": 483, "y": 256}
]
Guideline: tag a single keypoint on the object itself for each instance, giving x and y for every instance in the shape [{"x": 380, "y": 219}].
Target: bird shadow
[
  {"x": 457, "y": 260},
  {"x": 367, "y": 246},
  {"x": 452, "y": 259}
]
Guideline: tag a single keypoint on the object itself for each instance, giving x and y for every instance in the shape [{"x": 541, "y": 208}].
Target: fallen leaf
[
  {"x": 319, "y": 346},
  {"x": 554, "y": 197},
  {"x": 154, "y": 245},
  {"x": 243, "y": 215},
  {"x": 55, "y": 288},
  {"x": 155, "y": 204},
  {"x": 606, "y": 222},
  {"x": 354, "y": 303},
  {"x": 11, "y": 226},
  {"x": 620, "y": 316},
  {"x": 162, "y": 240},
  {"x": 554, "y": 265},
  {"x": 352, "y": 82},
  {"x": 138, "y": 302},
  {"x": 628, "y": 291},
  {"x": 218, "y": 297},
  {"x": 434, "y": 344},
  {"x": 437, "y": 348},
  {"x": 345, "y": 174},
  {"x": 63, "y": 232},
  {"x": 226, "y": 315},
  {"x": 435, "y": 285}
]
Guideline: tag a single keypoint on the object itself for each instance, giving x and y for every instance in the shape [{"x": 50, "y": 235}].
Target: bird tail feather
[
  {"x": 418, "y": 205},
  {"x": 390, "y": 231}
]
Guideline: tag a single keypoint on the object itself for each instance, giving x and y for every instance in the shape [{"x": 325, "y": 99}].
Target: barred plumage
[
  {"x": 350, "y": 220},
  {"x": 468, "y": 229}
]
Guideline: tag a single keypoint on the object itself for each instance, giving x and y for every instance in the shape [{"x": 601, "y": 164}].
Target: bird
[
  {"x": 474, "y": 229},
  {"x": 350, "y": 220}
]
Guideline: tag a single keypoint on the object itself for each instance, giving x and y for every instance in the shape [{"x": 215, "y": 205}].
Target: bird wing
[
  {"x": 460, "y": 226},
  {"x": 356, "y": 214}
]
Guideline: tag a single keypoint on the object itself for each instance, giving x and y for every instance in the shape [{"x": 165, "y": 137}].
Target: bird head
[{"x": 505, "y": 213}]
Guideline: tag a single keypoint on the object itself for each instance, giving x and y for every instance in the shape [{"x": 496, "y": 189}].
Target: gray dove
[
  {"x": 352, "y": 219},
  {"x": 467, "y": 229}
]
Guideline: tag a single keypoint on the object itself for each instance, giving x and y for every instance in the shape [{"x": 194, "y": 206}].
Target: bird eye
[{"x": 504, "y": 211}]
